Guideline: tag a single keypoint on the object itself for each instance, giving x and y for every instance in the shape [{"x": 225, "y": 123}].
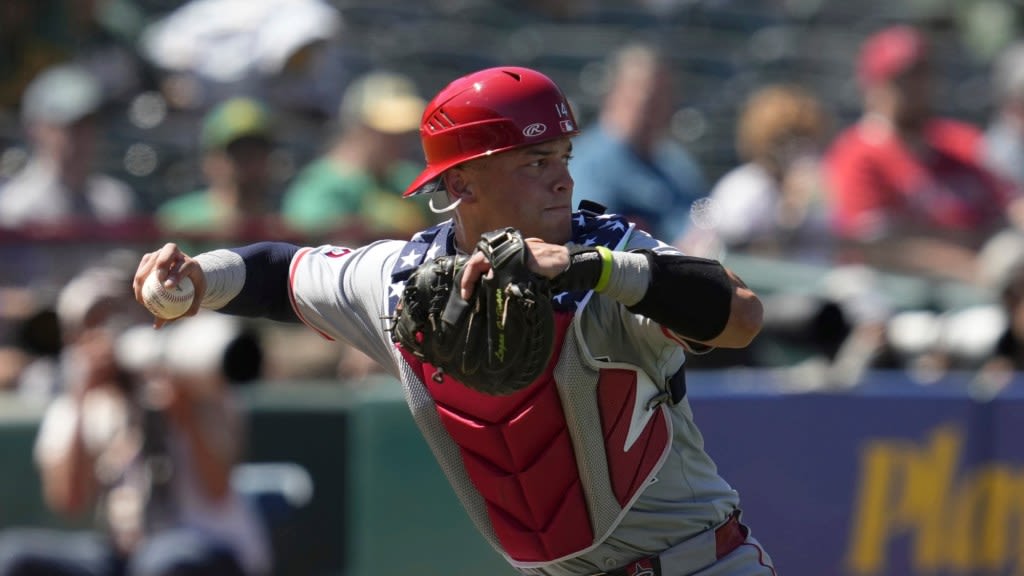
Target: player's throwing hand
[{"x": 171, "y": 265}]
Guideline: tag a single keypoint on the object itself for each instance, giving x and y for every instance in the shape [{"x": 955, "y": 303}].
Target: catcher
[{"x": 541, "y": 349}]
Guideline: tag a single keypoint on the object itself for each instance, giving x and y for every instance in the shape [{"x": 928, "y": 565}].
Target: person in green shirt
[
  {"x": 237, "y": 141},
  {"x": 358, "y": 181}
]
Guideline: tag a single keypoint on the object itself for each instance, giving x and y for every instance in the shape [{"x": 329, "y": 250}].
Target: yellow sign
[{"x": 971, "y": 521}]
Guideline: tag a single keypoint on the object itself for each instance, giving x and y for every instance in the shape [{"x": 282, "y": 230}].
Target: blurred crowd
[{"x": 862, "y": 168}]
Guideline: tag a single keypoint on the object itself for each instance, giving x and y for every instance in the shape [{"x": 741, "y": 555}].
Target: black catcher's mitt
[{"x": 496, "y": 343}]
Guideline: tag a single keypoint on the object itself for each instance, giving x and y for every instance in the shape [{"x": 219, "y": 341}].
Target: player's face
[{"x": 528, "y": 188}]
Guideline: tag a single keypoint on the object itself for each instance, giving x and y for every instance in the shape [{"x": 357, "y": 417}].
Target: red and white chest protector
[{"x": 548, "y": 472}]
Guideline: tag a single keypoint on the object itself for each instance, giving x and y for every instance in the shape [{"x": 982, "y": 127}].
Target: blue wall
[{"x": 894, "y": 478}]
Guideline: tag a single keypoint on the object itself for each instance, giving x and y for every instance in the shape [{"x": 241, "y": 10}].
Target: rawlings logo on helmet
[{"x": 535, "y": 129}]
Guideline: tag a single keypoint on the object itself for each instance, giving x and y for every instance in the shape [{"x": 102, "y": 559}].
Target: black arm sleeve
[
  {"x": 265, "y": 293},
  {"x": 690, "y": 296}
]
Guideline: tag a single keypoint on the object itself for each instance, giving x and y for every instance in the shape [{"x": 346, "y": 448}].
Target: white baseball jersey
[{"x": 588, "y": 468}]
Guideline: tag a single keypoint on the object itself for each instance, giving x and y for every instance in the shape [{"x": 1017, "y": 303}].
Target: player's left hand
[{"x": 543, "y": 259}]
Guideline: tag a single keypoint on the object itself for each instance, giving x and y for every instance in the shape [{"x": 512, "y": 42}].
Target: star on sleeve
[
  {"x": 395, "y": 289},
  {"x": 410, "y": 259},
  {"x": 432, "y": 253}
]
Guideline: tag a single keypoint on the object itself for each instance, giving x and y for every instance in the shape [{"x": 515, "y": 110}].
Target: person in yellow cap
[
  {"x": 359, "y": 179},
  {"x": 237, "y": 141}
]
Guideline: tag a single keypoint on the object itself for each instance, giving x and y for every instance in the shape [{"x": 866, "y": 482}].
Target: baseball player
[{"x": 597, "y": 466}]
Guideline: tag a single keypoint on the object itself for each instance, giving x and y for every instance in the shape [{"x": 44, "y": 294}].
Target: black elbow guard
[{"x": 690, "y": 296}]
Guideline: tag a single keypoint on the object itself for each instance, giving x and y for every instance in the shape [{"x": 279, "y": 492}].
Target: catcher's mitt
[{"x": 496, "y": 343}]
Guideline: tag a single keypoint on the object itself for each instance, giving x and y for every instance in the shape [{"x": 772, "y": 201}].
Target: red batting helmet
[{"x": 486, "y": 112}]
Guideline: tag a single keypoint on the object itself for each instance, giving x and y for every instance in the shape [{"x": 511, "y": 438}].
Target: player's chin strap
[{"x": 448, "y": 208}]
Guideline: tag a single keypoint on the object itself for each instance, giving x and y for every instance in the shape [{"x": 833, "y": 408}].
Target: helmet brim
[{"x": 429, "y": 180}]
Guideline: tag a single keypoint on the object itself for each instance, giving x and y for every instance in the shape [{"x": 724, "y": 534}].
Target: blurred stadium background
[
  {"x": 906, "y": 471},
  {"x": 723, "y": 49}
]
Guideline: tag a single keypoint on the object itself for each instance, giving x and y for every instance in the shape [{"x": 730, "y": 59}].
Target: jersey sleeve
[{"x": 342, "y": 294}]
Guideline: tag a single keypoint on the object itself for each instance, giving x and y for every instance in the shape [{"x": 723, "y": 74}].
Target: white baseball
[{"x": 167, "y": 303}]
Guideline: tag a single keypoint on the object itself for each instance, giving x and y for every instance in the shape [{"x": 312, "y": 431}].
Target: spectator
[
  {"x": 1004, "y": 139},
  {"x": 284, "y": 52},
  {"x": 360, "y": 178},
  {"x": 1001, "y": 268},
  {"x": 59, "y": 183},
  {"x": 908, "y": 187},
  {"x": 28, "y": 335},
  {"x": 86, "y": 305},
  {"x": 773, "y": 202},
  {"x": 627, "y": 161},
  {"x": 237, "y": 139},
  {"x": 147, "y": 435},
  {"x": 984, "y": 337}
]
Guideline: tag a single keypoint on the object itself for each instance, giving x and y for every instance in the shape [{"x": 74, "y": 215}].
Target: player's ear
[{"x": 458, "y": 184}]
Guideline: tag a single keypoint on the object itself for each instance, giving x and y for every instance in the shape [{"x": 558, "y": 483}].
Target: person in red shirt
[{"x": 908, "y": 188}]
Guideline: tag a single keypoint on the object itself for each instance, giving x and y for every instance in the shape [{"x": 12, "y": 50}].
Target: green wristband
[{"x": 606, "y": 269}]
